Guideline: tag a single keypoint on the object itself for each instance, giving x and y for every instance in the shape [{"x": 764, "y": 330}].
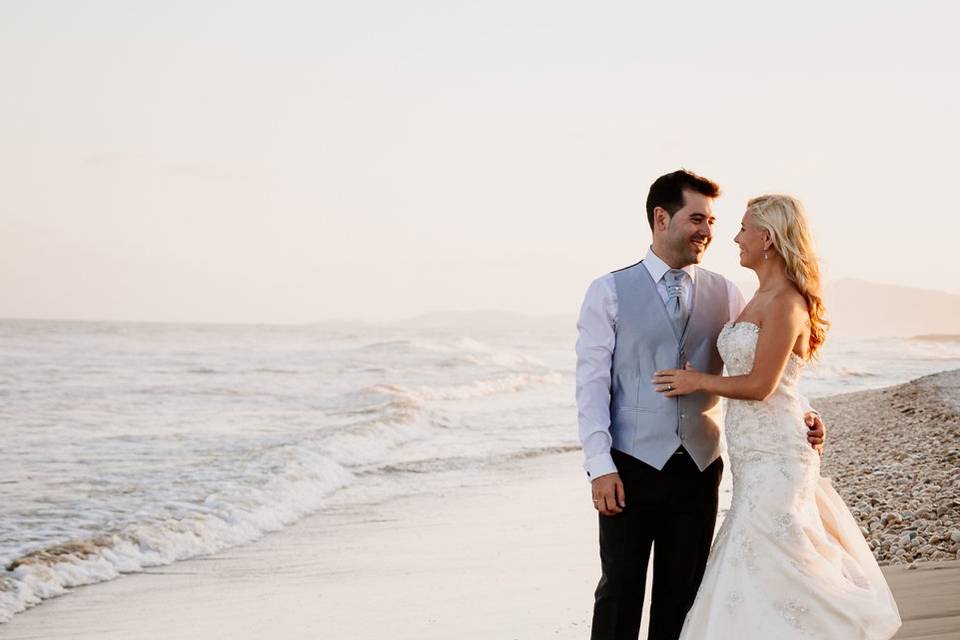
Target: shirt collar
[{"x": 658, "y": 267}]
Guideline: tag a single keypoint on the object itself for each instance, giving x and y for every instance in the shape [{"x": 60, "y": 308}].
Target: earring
[{"x": 764, "y": 254}]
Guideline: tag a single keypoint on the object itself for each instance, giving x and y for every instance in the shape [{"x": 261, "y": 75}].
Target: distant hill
[
  {"x": 871, "y": 309},
  {"x": 938, "y": 337}
]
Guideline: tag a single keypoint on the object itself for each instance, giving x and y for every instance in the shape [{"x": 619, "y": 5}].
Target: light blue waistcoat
[{"x": 644, "y": 423}]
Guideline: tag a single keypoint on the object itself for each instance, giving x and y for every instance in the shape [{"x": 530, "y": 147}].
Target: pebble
[{"x": 886, "y": 454}]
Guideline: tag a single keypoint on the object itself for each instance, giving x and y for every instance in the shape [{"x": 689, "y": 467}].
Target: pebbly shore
[{"x": 894, "y": 456}]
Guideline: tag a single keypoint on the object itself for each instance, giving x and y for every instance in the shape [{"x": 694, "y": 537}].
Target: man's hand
[
  {"x": 817, "y": 432},
  {"x": 608, "y": 496}
]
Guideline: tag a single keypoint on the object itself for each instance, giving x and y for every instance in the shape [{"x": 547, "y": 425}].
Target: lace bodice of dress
[
  {"x": 775, "y": 424},
  {"x": 737, "y": 344}
]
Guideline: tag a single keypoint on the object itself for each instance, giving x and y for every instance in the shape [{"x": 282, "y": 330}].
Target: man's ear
[{"x": 661, "y": 219}]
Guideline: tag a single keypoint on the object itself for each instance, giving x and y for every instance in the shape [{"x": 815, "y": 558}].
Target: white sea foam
[
  {"x": 462, "y": 351},
  {"x": 478, "y": 389},
  {"x": 367, "y": 442},
  {"x": 230, "y": 520}
]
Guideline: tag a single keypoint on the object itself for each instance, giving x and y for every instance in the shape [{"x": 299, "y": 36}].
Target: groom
[{"x": 654, "y": 462}]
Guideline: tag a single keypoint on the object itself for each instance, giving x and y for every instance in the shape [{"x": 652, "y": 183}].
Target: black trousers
[{"x": 674, "y": 509}]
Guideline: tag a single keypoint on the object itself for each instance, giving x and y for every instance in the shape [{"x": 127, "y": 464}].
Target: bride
[{"x": 789, "y": 560}]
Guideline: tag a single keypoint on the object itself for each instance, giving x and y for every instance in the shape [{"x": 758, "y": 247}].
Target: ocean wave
[
  {"x": 368, "y": 441},
  {"x": 210, "y": 371},
  {"x": 228, "y": 521},
  {"x": 407, "y": 345},
  {"x": 377, "y": 403},
  {"x": 398, "y": 410},
  {"x": 502, "y": 359},
  {"x": 392, "y": 403},
  {"x": 463, "y": 351},
  {"x": 383, "y": 417},
  {"x": 826, "y": 372},
  {"x": 478, "y": 389}
]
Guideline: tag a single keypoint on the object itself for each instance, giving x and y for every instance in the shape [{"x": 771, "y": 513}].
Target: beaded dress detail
[{"x": 789, "y": 560}]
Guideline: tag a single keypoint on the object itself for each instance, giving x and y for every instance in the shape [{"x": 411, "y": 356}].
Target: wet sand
[{"x": 929, "y": 599}]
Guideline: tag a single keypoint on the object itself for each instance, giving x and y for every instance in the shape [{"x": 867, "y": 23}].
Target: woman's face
[{"x": 751, "y": 240}]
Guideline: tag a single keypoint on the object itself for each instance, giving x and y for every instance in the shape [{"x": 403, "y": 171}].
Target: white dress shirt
[{"x": 595, "y": 344}]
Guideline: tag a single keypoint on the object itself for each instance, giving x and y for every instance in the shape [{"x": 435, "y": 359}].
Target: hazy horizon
[
  {"x": 865, "y": 309},
  {"x": 303, "y": 162}
]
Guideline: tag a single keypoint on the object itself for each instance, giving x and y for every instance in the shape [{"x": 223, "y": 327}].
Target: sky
[{"x": 303, "y": 161}]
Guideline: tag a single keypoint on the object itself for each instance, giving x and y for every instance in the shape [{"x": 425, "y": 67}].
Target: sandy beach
[{"x": 506, "y": 552}]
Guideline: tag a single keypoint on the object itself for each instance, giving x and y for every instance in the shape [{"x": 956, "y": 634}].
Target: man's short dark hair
[{"x": 667, "y": 191}]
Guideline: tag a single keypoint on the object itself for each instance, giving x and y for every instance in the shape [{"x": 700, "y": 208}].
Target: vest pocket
[{"x": 629, "y": 417}]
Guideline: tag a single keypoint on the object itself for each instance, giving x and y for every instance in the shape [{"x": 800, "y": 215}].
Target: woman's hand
[{"x": 678, "y": 382}]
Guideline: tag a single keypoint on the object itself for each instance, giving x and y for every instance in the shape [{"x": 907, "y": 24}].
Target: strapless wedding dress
[{"x": 789, "y": 560}]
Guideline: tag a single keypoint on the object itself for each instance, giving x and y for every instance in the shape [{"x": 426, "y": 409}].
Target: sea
[{"x": 133, "y": 445}]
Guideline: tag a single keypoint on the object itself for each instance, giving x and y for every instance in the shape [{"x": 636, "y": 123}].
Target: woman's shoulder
[{"x": 788, "y": 302}]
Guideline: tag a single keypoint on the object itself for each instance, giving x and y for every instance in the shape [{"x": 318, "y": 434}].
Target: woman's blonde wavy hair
[{"x": 785, "y": 219}]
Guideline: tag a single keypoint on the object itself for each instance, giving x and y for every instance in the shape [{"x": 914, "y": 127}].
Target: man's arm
[
  {"x": 596, "y": 340},
  {"x": 595, "y": 343}
]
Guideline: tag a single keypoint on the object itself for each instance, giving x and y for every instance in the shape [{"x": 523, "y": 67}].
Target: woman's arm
[{"x": 782, "y": 324}]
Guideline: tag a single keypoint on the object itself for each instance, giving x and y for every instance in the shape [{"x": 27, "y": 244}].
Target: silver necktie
[{"x": 676, "y": 308}]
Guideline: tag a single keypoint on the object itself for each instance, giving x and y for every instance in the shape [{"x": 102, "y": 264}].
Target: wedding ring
[{"x": 669, "y": 387}]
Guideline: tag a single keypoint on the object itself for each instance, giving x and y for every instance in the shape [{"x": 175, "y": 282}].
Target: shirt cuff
[{"x": 599, "y": 465}]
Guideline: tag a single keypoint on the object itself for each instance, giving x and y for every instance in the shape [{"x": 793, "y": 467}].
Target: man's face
[{"x": 689, "y": 231}]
